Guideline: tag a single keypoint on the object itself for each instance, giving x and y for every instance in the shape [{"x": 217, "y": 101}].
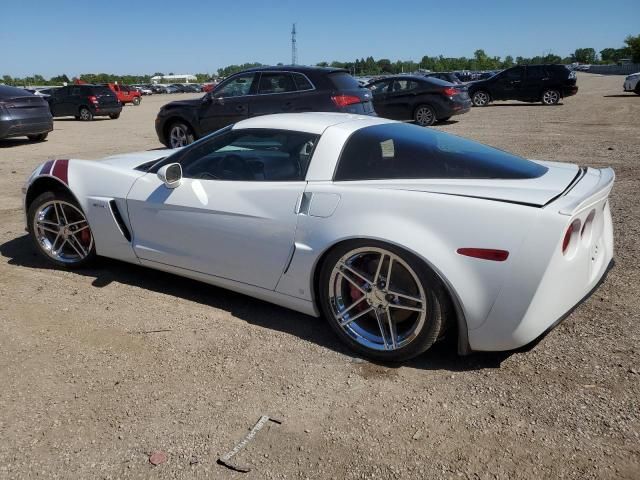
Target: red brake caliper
[
  {"x": 85, "y": 236},
  {"x": 355, "y": 296}
]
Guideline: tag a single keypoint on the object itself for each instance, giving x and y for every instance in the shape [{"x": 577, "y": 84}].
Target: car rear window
[
  {"x": 101, "y": 91},
  {"x": 343, "y": 81},
  {"x": 401, "y": 151}
]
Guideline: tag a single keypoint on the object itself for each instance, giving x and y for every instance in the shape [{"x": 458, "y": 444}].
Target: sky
[{"x": 143, "y": 37}]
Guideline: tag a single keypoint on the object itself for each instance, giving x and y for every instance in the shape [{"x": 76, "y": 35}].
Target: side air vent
[{"x": 115, "y": 211}]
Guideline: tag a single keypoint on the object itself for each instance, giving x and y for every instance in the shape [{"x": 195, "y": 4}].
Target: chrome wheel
[
  {"x": 550, "y": 97},
  {"x": 85, "y": 114},
  {"x": 480, "y": 99},
  {"x": 425, "y": 116},
  {"x": 377, "y": 299},
  {"x": 178, "y": 136},
  {"x": 62, "y": 231}
]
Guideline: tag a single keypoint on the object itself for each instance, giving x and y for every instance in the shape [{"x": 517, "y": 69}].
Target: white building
[{"x": 174, "y": 78}]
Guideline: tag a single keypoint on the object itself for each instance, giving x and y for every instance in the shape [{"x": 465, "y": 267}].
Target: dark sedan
[
  {"x": 23, "y": 114},
  {"x": 425, "y": 100}
]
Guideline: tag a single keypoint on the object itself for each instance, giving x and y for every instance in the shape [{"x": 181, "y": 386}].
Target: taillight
[
  {"x": 450, "y": 91},
  {"x": 344, "y": 100},
  {"x": 566, "y": 241},
  {"x": 484, "y": 253},
  {"x": 93, "y": 99}
]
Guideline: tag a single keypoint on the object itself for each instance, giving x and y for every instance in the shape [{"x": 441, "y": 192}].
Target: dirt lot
[{"x": 100, "y": 368}]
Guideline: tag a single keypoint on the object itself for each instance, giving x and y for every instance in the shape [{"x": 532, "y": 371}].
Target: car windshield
[{"x": 401, "y": 151}]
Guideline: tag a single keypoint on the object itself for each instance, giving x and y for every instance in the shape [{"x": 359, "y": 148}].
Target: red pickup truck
[{"x": 125, "y": 93}]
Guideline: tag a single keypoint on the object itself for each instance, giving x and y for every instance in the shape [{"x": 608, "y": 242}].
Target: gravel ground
[{"x": 101, "y": 368}]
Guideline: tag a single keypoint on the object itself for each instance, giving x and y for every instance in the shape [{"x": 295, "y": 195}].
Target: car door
[
  {"x": 400, "y": 99},
  {"x": 58, "y": 101},
  {"x": 379, "y": 91},
  {"x": 536, "y": 80},
  {"x": 508, "y": 84},
  {"x": 229, "y": 103},
  {"x": 234, "y": 214},
  {"x": 276, "y": 94}
]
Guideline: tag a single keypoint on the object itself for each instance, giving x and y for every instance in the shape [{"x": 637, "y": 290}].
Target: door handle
[
  {"x": 241, "y": 108},
  {"x": 287, "y": 106}
]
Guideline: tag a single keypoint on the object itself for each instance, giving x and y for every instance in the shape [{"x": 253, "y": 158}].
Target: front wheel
[
  {"x": 85, "y": 114},
  {"x": 383, "y": 302},
  {"x": 60, "y": 230},
  {"x": 180, "y": 135},
  {"x": 136, "y": 101},
  {"x": 550, "y": 97},
  {"x": 480, "y": 99},
  {"x": 425, "y": 115}
]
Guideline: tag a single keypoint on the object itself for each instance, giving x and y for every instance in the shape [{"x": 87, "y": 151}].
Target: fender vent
[{"x": 115, "y": 211}]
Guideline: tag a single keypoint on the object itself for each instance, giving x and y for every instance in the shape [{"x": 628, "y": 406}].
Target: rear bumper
[
  {"x": 20, "y": 128},
  {"x": 100, "y": 111},
  {"x": 546, "y": 283}
]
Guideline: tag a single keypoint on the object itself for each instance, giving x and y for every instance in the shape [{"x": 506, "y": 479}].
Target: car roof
[
  {"x": 311, "y": 122},
  {"x": 296, "y": 68},
  {"x": 7, "y": 91}
]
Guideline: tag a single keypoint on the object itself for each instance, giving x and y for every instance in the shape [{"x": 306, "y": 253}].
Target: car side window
[
  {"x": 251, "y": 155},
  {"x": 514, "y": 74},
  {"x": 236, "y": 87},
  {"x": 400, "y": 86},
  {"x": 536, "y": 73},
  {"x": 302, "y": 82},
  {"x": 379, "y": 88},
  {"x": 276, "y": 83}
]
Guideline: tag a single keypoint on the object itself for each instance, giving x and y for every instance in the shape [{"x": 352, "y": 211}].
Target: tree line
[{"x": 370, "y": 66}]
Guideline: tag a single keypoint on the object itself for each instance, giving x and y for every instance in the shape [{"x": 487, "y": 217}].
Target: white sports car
[{"x": 395, "y": 233}]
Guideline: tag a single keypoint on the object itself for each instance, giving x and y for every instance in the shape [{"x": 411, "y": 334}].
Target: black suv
[
  {"x": 527, "y": 83},
  {"x": 261, "y": 91},
  {"x": 84, "y": 102}
]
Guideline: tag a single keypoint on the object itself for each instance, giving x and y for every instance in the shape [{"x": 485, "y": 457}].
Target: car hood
[
  {"x": 132, "y": 160},
  {"x": 191, "y": 103},
  {"x": 532, "y": 191}
]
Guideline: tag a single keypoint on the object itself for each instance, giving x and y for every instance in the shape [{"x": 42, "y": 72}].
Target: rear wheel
[
  {"x": 41, "y": 137},
  {"x": 180, "y": 135},
  {"x": 381, "y": 301},
  {"x": 114, "y": 116},
  {"x": 480, "y": 99},
  {"x": 550, "y": 97},
  {"x": 60, "y": 231},
  {"x": 425, "y": 115},
  {"x": 136, "y": 101},
  {"x": 637, "y": 90},
  {"x": 85, "y": 114}
]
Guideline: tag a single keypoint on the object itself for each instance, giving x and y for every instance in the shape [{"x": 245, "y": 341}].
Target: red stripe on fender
[
  {"x": 485, "y": 253},
  {"x": 46, "y": 168},
  {"x": 60, "y": 170}
]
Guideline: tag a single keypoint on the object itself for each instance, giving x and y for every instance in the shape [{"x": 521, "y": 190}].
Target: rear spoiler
[{"x": 592, "y": 188}]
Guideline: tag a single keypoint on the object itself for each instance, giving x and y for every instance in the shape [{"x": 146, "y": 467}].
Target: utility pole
[{"x": 294, "y": 46}]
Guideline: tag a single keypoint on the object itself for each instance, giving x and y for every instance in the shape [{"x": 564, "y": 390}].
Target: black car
[
  {"x": 261, "y": 91},
  {"x": 526, "y": 83},
  {"x": 450, "y": 77},
  {"x": 84, "y": 102},
  {"x": 23, "y": 114},
  {"x": 425, "y": 100}
]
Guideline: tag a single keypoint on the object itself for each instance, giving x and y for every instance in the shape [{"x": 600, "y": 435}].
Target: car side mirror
[
  {"x": 207, "y": 98},
  {"x": 171, "y": 175}
]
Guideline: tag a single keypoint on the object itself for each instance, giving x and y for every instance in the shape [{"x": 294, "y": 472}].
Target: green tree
[
  {"x": 633, "y": 43},
  {"x": 508, "y": 62},
  {"x": 585, "y": 55}
]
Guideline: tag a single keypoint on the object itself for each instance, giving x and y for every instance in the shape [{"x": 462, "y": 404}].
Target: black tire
[
  {"x": 424, "y": 115},
  {"x": 114, "y": 116},
  {"x": 637, "y": 89},
  {"x": 437, "y": 302},
  {"x": 175, "y": 139},
  {"x": 41, "y": 137},
  {"x": 136, "y": 101},
  {"x": 35, "y": 206},
  {"x": 551, "y": 97},
  {"x": 85, "y": 114},
  {"x": 481, "y": 98}
]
